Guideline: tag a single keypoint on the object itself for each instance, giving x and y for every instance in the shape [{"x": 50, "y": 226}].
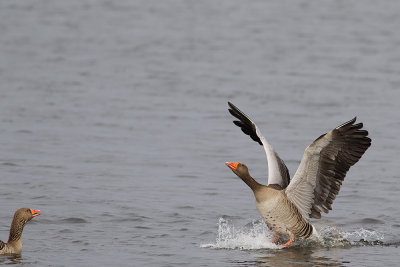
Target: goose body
[
  {"x": 281, "y": 215},
  {"x": 287, "y": 206},
  {"x": 14, "y": 243}
]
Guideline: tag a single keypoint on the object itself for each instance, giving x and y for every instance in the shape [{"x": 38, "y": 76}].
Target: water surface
[{"x": 114, "y": 123}]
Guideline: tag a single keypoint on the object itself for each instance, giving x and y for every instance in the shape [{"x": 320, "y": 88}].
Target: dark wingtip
[
  {"x": 232, "y": 106},
  {"x": 245, "y": 123},
  {"x": 353, "y": 120}
]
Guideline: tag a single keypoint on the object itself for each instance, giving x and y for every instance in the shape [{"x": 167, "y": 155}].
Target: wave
[{"x": 256, "y": 235}]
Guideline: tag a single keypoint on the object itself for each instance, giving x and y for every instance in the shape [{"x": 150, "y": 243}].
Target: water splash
[
  {"x": 253, "y": 236},
  {"x": 335, "y": 237},
  {"x": 256, "y": 235}
]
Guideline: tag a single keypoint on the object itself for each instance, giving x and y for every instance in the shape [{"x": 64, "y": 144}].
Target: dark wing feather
[
  {"x": 348, "y": 144},
  {"x": 323, "y": 167},
  {"x": 247, "y": 126},
  {"x": 250, "y": 128}
]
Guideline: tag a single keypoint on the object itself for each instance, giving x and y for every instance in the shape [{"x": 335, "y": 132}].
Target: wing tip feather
[{"x": 350, "y": 122}]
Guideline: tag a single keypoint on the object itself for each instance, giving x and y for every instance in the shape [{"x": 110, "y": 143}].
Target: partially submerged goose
[
  {"x": 14, "y": 243},
  {"x": 287, "y": 206}
]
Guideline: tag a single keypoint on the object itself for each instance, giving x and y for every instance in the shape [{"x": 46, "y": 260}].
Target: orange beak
[
  {"x": 232, "y": 165},
  {"x": 35, "y": 213}
]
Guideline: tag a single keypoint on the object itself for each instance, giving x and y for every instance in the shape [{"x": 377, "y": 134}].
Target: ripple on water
[
  {"x": 129, "y": 217},
  {"x": 371, "y": 221},
  {"x": 11, "y": 259},
  {"x": 143, "y": 227},
  {"x": 66, "y": 231},
  {"x": 186, "y": 207},
  {"x": 74, "y": 220},
  {"x": 187, "y": 176},
  {"x": 9, "y": 164},
  {"x": 256, "y": 235},
  {"x": 40, "y": 197}
]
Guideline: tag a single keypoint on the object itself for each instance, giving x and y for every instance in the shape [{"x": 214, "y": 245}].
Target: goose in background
[{"x": 14, "y": 243}]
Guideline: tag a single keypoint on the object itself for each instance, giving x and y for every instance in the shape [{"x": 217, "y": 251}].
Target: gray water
[{"x": 114, "y": 124}]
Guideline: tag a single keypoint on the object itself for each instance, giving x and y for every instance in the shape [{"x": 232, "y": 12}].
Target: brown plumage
[
  {"x": 14, "y": 243},
  {"x": 316, "y": 183},
  {"x": 280, "y": 214}
]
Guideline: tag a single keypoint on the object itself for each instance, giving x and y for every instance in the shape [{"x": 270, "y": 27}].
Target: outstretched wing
[
  {"x": 323, "y": 167},
  {"x": 278, "y": 173}
]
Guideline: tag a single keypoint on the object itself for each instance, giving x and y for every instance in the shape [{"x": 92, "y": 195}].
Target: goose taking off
[{"x": 287, "y": 205}]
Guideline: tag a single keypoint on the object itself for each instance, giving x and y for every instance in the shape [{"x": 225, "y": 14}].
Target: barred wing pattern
[{"x": 323, "y": 167}]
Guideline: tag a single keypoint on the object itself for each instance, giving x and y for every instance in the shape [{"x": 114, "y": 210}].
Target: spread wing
[
  {"x": 323, "y": 167},
  {"x": 278, "y": 173}
]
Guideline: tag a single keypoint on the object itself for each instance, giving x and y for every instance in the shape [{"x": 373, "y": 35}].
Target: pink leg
[{"x": 287, "y": 243}]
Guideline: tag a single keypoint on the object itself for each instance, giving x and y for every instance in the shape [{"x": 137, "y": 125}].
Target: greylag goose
[
  {"x": 285, "y": 205},
  {"x": 14, "y": 243}
]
